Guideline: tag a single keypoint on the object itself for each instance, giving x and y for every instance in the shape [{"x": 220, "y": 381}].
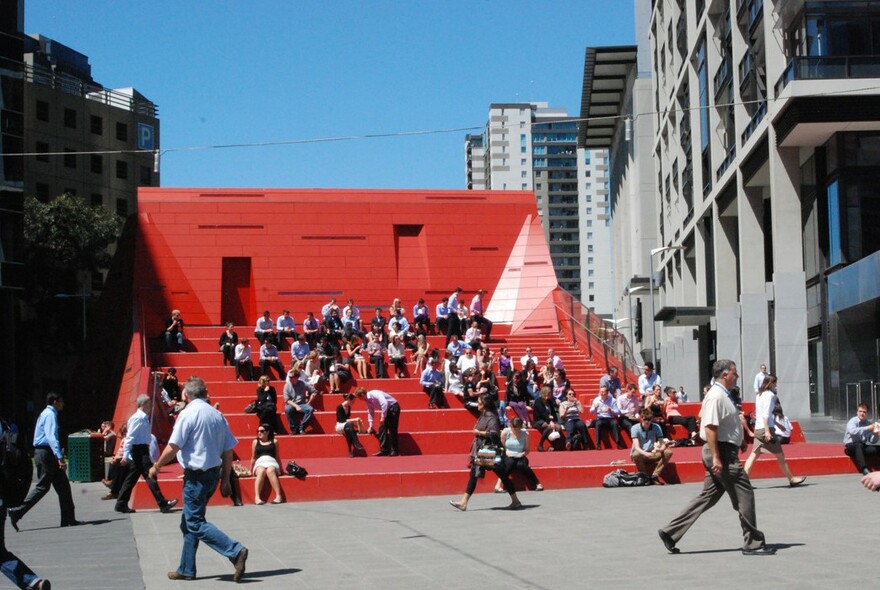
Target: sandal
[
  {"x": 259, "y": 502},
  {"x": 455, "y": 504},
  {"x": 539, "y": 487},
  {"x": 277, "y": 501}
]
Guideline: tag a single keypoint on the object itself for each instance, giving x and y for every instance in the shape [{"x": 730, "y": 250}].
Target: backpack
[
  {"x": 16, "y": 467},
  {"x": 619, "y": 478}
]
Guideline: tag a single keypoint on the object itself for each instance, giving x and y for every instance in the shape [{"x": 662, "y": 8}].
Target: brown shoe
[
  {"x": 109, "y": 496},
  {"x": 239, "y": 564},
  {"x": 179, "y": 576}
]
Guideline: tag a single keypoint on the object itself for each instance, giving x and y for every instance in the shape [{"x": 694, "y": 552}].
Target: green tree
[{"x": 63, "y": 237}]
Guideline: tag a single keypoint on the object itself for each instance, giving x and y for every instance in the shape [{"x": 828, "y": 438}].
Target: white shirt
[
  {"x": 203, "y": 436},
  {"x": 466, "y": 362},
  {"x": 764, "y": 405},
  {"x": 242, "y": 352},
  {"x": 526, "y": 358},
  {"x": 139, "y": 432},
  {"x": 759, "y": 380},
  {"x": 378, "y": 400},
  {"x": 646, "y": 384}
]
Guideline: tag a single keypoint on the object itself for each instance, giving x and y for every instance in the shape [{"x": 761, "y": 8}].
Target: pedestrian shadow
[
  {"x": 505, "y": 508},
  {"x": 82, "y": 523},
  {"x": 777, "y": 546},
  {"x": 251, "y": 576}
]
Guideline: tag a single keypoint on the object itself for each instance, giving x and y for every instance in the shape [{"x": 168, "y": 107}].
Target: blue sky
[{"x": 227, "y": 72}]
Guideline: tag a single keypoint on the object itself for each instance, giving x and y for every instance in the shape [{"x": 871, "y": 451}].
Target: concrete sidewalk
[{"x": 826, "y": 533}]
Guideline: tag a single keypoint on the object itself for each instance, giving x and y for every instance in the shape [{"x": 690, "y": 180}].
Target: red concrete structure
[{"x": 229, "y": 254}]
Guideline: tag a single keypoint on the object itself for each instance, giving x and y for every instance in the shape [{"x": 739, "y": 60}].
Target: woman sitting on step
[
  {"x": 348, "y": 426},
  {"x": 265, "y": 464}
]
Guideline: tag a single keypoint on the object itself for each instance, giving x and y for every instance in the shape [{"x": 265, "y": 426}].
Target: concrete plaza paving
[{"x": 826, "y": 533}]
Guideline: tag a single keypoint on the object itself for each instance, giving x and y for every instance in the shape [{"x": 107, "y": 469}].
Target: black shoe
[
  {"x": 381, "y": 454},
  {"x": 75, "y": 522},
  {"x": 168, "y": 505},
  {"x": 668, "y": 542},
  {"x": 239, "y": 564},
  {"x": 351, "y": 454},
  {"x": 121, "y": 510},
  {"x": 14, "y": 517},
  {"x": 359, "y": 448},
  {"x": 393, "y": 454},
  {"x": 44, "y": 585},
  {"x": 763, "y": 550}
]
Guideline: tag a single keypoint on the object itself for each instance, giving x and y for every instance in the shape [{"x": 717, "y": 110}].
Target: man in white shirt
[
  {"x": 649, "y": 379},
  {"x": 759, "y": 378},
  {"x": 203, "y": 444},
  {"x": 557, "y": 362},
  {"x": 285, "y": 327},
  {"x": 136, "y": 451},
  {"x": 528, "y": 356},
  {"x": 721, "y": 428},
  {"x": 265, "y": 328}
]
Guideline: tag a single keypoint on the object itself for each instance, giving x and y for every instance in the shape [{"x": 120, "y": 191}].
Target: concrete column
[
  {"x": 753, "y": 300},
  {"x": 789, "y": 282},
  {"x": 727, "y": 311}
]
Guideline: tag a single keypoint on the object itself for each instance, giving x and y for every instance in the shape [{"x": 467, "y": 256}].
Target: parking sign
[{"x": 145, "y": 137}]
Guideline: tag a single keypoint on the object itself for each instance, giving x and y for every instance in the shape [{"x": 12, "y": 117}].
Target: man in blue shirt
[
  {"x": 431, "y": 381},
  {"x": 15, "y": 569},
  {"x": 203, "y": 444},
  {"x": 442, "y": 314},
  {"x": 51, "y": 469}
]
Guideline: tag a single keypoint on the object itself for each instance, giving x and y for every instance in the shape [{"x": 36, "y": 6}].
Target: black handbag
[
  {"x": 251, "y": 408},
  {"x": 295, "y": 470}
]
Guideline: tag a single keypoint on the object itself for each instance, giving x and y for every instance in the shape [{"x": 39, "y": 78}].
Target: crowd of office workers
[{"x": 328, "y": 351}]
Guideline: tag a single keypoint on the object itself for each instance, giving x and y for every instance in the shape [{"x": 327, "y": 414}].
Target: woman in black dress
[
  {"x": 348, "y": 426},
  {"x": 487, "y": 430},
  {"x": 266, "y": 402},
  {"x": 228, "y": 340}
]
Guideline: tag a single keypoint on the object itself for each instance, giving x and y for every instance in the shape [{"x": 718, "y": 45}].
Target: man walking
[
  {"x": 51, "y": 469},
  {"x": 203, "y": 444},
  {"x": 389, "y": 418},
  {"x": 722, "y": 430},
  {"x": 136, "y": 448}
]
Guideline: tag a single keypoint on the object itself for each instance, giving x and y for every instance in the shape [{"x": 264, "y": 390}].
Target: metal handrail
[{"x": 614, "y": 349}]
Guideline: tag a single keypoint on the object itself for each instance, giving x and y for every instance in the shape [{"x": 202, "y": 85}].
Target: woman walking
[
  {"x": 765, "y": 436},
  {"x": 486, "y": 431}
]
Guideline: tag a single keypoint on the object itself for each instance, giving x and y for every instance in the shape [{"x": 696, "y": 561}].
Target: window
[
  {"x": 96, "y": 124},
  {"x": 539, "y": 186},
  {"x": 70, "y": 118},
  {"x": 42, "y": 110},
  {"x": 146, "y": 176},
  {"x": 522, "y": 174},
  {"x": 69, "y": 158},
  {"x": 41, "y": 191},
  {"x": 97, "y": 200},
  {"x": 522, "y": 162},
  {"x": 41, "y": 148},
  {"x": 121, "y": 169},
  {"x": 122, "y": 207},
  {"x": 122, "y": 132},
  {"x": 96, "y": 163}
]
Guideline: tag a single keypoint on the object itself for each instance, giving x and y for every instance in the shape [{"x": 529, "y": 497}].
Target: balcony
[
  {"x": 722, "y": 76},
  {"x": 725, "y": 164},
  {"x": 749, "y": 13},
  {"x": 829, "y": 68},
  {"x": 753, "y": 123}
]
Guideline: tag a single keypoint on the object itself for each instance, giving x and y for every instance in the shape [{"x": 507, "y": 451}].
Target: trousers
[
  {"x": 49, "y": 474},
  {"x": 140, "y": 467},
  {"x": 735, "y": 483}
]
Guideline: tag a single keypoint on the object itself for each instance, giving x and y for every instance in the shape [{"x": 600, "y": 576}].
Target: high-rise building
[
  {"x": 68, "y": 113},
  {"x": 766, "y": 122},
  {"x": 11, "y": 192},
  {"x": 532, "y": 147}
]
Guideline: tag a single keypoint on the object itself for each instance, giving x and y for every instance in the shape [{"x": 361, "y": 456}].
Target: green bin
[{"x": 85, "y": 457}]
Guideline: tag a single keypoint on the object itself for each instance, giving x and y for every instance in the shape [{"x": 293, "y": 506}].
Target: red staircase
[{"x": 433, "y": 443}]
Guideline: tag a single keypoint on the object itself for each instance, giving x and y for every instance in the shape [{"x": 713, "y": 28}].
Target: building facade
[
  {"x": 532, "y": 147},
  {"x": 766, "y": 122},
  {"x": 68, "y": 115}
]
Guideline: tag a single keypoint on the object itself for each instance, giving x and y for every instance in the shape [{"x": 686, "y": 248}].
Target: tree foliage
[{"x": 65, "y": 236}]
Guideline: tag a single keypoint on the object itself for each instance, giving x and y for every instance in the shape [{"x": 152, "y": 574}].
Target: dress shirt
[
  {"x": 442, "y": 311},
  {"x": 285, "y": 322},
  {"x": 526, "y": 358},
  {"x": 612, "y": 383},
  {"x": 759, "y": 380},
  {"x": 402, "y": 324},
  {"x": 477, "y": 305},
  {"x": 265, "y": 325},
  {"x": 646, "y": 384},
  {"x": 857, "y": 431},
  {"x": 242, "y": 352},
  {"x": 46, "y": 431},
  {"x": 718, "y": 410},
  {"x": 355, "y": 312},
  {"x": 420, "y": 311},
  {"x": 378, "y": 400},
  {"x": 466, "y": 362},
  {"x": 430, "y": 377},
  {"x": 299, "y": 350},
  {"x": 604, "y": 407},
  {"x": 456, "y": 348},
  {"x": 473, "y": 334},
  {"x": 268, "y": 351},
  {"x": 452, "y": 304},
  {"x": 140, "y": 432},
  {"x": 202, "y": 434},
  {"x": 628, "y": 407},
  {"x": 311, "y": 324}
]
